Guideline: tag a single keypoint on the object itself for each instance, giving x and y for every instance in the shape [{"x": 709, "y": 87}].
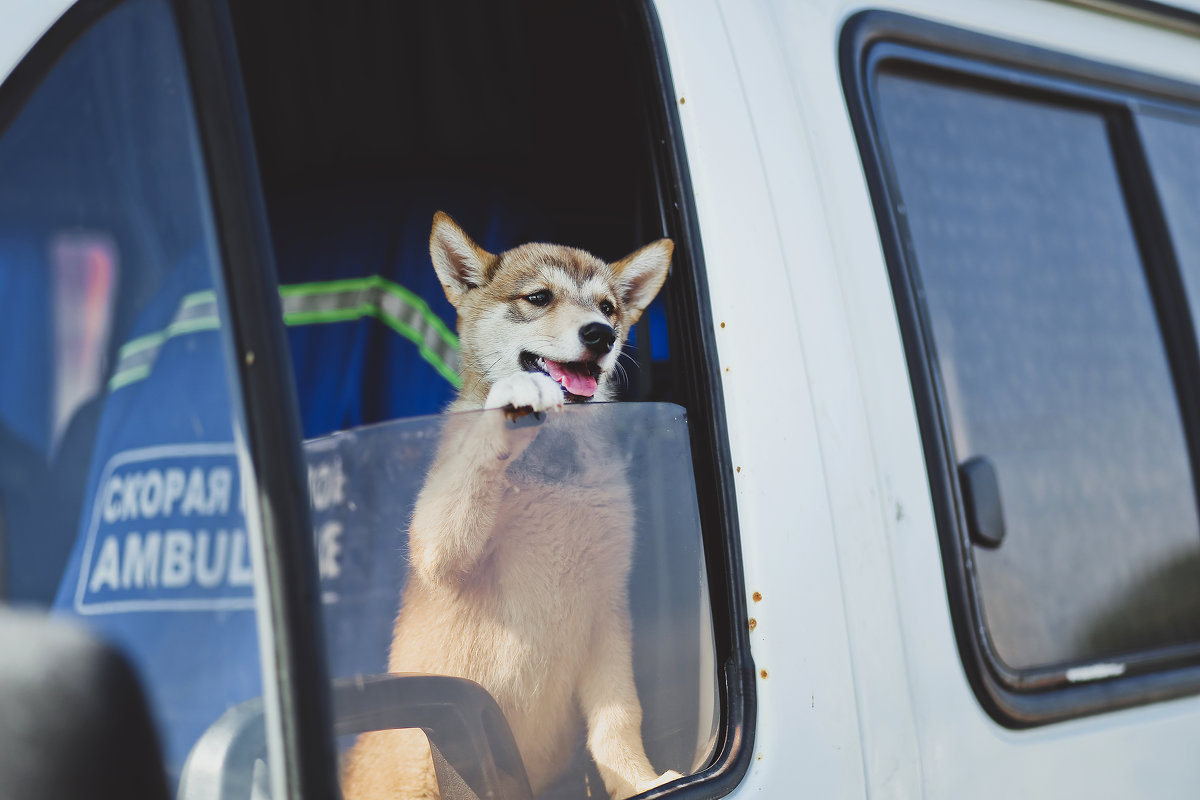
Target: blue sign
[{"x": 166, "y": 533}]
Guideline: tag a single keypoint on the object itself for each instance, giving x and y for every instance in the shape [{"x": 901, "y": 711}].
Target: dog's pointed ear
[
  {"x": 461, "y": 264},
  {"x": 641, "y": 274}
]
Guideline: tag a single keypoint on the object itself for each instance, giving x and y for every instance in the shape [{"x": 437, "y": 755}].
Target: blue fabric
[
  {"x": 26, "y": 346},
  {"x": 26, "y": 403},
  {"x": 356, "y": 373}
]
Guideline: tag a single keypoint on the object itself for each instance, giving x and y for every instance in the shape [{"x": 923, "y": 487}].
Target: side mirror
[{"x": 73, "y": 719}]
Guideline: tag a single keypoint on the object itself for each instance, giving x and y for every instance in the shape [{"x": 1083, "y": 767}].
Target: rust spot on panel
[
  {"x": 681, "y": 101},
  {"x": 757, "y": 596},
  {"x": 763, "y": 674},
  {"x": 722, "y": 324},
  {"x": 753, "y": 623},
  {"x": 739, "y": 469}
]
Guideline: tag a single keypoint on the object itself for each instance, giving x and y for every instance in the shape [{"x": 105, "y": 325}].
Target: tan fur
[{"x": 517, "y": 582}]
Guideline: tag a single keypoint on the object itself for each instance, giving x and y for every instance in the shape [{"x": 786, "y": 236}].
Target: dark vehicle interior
[{"x": 367, "y": 118}]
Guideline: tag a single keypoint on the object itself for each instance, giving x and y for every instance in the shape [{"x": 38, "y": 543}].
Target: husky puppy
[{"x": 518, "y": 580}]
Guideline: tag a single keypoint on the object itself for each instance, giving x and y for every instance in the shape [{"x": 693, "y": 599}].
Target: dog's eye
[
  {"x": 606, "y": 308},
  {"x": 540, "y": 298}
]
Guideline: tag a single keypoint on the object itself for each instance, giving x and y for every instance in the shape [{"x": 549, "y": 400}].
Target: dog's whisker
[
  {"x": 632, "y": 361},
  {"x": 619, "y": 376}
]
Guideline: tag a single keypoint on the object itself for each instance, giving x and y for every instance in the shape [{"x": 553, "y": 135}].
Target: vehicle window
[
  {"x": 121, "y": 496},
  {"x": 1051, "y": 367}
]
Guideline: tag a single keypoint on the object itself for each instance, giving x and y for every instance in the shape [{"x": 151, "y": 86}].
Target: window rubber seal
[
  {"x": 690, "y": 308},
  {"x": 1155, "y": 13}
]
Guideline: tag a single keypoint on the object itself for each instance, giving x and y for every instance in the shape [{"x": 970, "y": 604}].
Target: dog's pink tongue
[{"x": 577, "y": 383}]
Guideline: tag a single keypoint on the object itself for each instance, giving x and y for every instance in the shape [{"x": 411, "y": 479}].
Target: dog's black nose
[{"x": 597, "y": 337}]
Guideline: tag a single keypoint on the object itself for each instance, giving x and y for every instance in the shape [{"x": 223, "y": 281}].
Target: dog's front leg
[
  {"x": 456, "y": 510},
  {"x": 608, "y": 698}
]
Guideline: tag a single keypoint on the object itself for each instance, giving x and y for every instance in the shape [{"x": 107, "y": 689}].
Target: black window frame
[
  {"x": 272, "y": 436},
  {"x": 693, "y": 344},
  {"x": 873, "y": 40}
]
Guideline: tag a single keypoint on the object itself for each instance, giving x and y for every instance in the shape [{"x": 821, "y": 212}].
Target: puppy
[{"x": 518, "y": 577}]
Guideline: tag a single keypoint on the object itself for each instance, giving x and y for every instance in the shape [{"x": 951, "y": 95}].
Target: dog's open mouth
[{"x": 577, "y": 378}]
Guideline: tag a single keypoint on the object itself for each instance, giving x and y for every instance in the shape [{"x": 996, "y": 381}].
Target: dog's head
[{"x": 542, "y": 307}]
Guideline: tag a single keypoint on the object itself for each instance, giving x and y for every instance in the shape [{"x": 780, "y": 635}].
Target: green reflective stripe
[
  {"x": 135, "y": 365},
  {"x": 309, "y": 304},
  {"x": 196, "y": 304},
  {"x": 197, "y": 312},
  {"x": 128, "y": 376},
  {"x": 198, "y": 298},
  {"x": 380, "y": 291},
  {"x": 391, "y": 304}
]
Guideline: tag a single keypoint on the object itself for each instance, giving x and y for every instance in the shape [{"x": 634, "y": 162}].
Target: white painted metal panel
[
  {"x": 835, "y": 509},
  {"x": 806, "y": 704}
]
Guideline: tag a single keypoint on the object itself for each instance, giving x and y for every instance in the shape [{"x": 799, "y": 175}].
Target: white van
[{"x": 913, "y": 429}]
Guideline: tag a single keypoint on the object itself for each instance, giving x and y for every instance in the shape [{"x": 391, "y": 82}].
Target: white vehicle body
[
  {"x": 862, "y": 690},
  {"x": 865, "y": 693}
]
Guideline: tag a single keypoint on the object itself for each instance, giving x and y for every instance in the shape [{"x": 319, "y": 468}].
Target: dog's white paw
[
  {"x": 534, "y": 391},
  {"x": 645, "y": 785}
]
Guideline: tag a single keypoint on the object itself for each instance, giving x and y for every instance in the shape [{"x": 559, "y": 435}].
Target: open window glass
[
  {"x": 601, "y": 508},
  {"x": 122, "y": 498}
]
